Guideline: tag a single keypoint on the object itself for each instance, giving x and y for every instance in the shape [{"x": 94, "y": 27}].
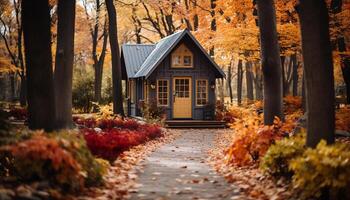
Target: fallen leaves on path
[
  {"x": 121, "y": 178},
  {"x": 249, "y": 179}
]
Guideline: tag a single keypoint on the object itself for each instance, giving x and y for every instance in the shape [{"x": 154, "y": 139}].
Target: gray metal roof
[
  {"x": 145, "y": 65},
  {"x": 134, "y": 56},
  {"x": 163, "y": 47}
]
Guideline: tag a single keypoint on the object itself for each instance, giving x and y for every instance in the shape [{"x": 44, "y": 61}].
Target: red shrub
[
  {"x": 19, "y": 113},
  {"x": 87, "y": 123},
  {"x": 117, "y": 136}
]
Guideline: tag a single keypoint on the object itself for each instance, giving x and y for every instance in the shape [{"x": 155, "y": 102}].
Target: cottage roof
[
  {"x": 160, "y": 50},
  {"x": 134, "y": 56}
]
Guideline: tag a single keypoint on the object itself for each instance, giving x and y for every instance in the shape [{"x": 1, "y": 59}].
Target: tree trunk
[
  {"x": 345, "y": 60},
  {"x": 116, "y": 65},
  {"x": 318, "y": 66},
  {"x": 239, "y": 82},
  {"x": 249, "y": 81},
  {"x": 303, "y": 94},
  {"x": 195, "y": 17},
  {"x": 64, "y": 63},
  {"x": 38, "y": 58},
  {"x": 283, "y": 59},
  {"x": 212, "y": 25},
  {"x": 229, "y": 81},
  {"x": 98, "y": 66},
  {"x": 23, "y": 91},
  {"x": 13, "y": 86},
  {"x": 271, "y": 62},
  {"x": 258, "y": 85},
  {"x": 295, "y": 75},
  {"x": 336, "y": 7}
]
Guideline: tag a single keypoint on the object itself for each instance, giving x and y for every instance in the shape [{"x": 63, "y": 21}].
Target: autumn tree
[
  {"x": 64, "y": 63},
  {"x": 12, "y": 35},
  {"x": 38, "y": 61},
  {"x": 98, "y": 57},
  {"x": 270, "y": 59},
  {"x": 340, "y": 15},
  {"x": 116, "y": 64},
  {"x": 318, "y": 67}
]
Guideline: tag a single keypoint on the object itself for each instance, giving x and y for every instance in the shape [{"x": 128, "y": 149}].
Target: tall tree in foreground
[
  {"x": 116, "y": 65},
  {"x": 38, "y": 59},
  {"x": 318, "y": 68},
  {"x": 271, "y": 62},
  {"x": 64, "y": 63}
]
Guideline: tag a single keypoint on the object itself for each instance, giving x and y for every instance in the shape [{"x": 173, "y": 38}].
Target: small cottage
[{"x": 176, "y": 72}]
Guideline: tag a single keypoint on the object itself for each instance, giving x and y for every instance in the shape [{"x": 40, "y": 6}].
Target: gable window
[
  {"x": 182, "y": 57},
  {"x": 201, "y": 92},
  {"x": 176, "y": 60},
  {"x": 162, "y": 92},
  {"x": 187, "y": 60}
]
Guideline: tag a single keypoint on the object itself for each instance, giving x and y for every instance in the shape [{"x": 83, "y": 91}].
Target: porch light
[
  {"x": 212, "y": 85},
  {"x": 153, "y": 86}
]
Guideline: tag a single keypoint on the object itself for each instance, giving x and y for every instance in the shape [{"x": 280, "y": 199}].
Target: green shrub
[
  {"x": 83, "y": 90},
  {"x": 279, "y": 155},
  {"x": 152, "y": 112},
  {"x": 325, "y": 167}
]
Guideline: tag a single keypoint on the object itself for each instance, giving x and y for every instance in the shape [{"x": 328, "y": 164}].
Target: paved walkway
[{"x": 178, "y": 170}]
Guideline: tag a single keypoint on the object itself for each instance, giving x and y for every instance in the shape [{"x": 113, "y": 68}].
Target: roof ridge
[
  {"x": 139, "y": 44},
  {"x": 179, "y": 31}
]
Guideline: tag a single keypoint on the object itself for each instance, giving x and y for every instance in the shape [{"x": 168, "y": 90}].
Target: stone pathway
[{"x": 178, "y": 170}]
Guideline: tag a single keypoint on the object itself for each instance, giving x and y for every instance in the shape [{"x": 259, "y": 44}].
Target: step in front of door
[{"x": 194, "y": 124}]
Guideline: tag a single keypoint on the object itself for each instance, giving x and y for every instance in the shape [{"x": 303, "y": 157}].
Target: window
[
  {"x": 201, "y": 92},
  {"x": 162, "y": 92},
  {"x": 176, "y": 60},
  {"x": 182, "y": 88},
  {"x": 187, "y": 60},
  {"x": 182, "y": 57}
]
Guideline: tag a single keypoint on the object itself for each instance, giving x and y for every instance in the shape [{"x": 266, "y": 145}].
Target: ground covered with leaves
[
  {"x": 273, "y": 162},
  {"x": 94, "y": 160}
]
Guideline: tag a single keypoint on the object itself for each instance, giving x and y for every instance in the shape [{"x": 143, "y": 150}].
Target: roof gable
[
  {"x": 159, "y": 53},
  {"x": 163, "y": 47},
  {"x": 134, "y": 56}
]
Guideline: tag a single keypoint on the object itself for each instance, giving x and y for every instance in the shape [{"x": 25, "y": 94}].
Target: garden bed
[
  {"x": 57, "y": 165},
  {"x": 273, "y": 162}
]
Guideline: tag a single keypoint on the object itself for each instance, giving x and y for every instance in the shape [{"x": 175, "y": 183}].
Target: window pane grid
[
  {"x": 201, "y": 92},
  {"x": 162, "y": 95}
]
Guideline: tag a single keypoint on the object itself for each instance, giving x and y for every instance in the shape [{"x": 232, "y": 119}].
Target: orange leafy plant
[{"x": 42, "y": 158}]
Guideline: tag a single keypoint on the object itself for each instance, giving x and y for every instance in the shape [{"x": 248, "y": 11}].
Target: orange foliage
[
  {"x": 252, "y": 138},
  {"x": 342, "y": 119},
  {"x": 50, "y": 160}
]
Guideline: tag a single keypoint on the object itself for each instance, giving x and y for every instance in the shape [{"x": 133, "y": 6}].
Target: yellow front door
[{"x": 182, "y": 97}]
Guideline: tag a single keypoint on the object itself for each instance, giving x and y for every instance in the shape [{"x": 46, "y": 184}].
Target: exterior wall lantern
[
  {"x": 153, "y": 86},
  {"x": 212, "y": 85}
]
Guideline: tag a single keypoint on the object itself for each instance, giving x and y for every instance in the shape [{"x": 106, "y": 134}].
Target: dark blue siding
[{"x": 201, "y": 70}]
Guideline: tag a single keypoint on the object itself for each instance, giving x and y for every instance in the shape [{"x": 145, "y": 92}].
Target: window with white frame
[
  {"x": 182, "y": 57},
  {"x": 162, "y": 92},
  {"x": 201, "y": 92}
]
